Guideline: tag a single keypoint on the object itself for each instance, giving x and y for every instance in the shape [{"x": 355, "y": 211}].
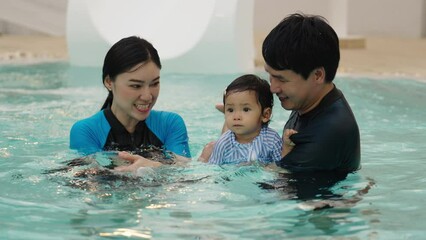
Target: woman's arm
[{"x": 207, "y": 152}]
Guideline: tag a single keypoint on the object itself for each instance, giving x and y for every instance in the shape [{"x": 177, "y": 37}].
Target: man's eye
[
  {"x": 155, "y": 84},
  {"x": 278, "y": 78}
]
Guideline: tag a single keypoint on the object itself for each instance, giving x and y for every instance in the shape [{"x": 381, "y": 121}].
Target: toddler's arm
[{"x": 288, "y": 145}]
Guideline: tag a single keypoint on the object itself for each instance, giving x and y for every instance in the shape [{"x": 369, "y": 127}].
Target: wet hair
[
  {"x": 302, "y": 43},
  {"x": 123, "y": 56},
  {"x": 251, "y": 82}
]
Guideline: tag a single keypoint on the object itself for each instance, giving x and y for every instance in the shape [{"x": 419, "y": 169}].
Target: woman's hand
[
  {"x": 207, "y": 151},
  {"x": 135, "y": 161},
  {"x": 208, "y": 148}
]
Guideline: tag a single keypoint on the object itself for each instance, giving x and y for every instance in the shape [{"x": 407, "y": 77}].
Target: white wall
[
  {"x": 269, "y": 13},
  {"x": 387, "y": 18},
  {"x": 33, "y": 16},
  {"x": 350, "y": 17},
  {"x": 424, "y": 19},
  {"x": 16, "y": 29}
]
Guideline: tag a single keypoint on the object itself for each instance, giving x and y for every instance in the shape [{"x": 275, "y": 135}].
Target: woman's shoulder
[
  {"x": 95, "y": 119},
  {"x": 158, "y": 114},
  {"x": 162, "y": 112}
]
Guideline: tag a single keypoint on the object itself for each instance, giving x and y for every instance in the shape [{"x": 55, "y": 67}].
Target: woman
[{"x": 127, "y": 122}]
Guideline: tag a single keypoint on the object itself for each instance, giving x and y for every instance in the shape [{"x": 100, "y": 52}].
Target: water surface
[{"x": 39, "y": 103}]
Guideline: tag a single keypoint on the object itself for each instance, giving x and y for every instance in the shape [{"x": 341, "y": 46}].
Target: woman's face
[{"x": 135, "y": 93}]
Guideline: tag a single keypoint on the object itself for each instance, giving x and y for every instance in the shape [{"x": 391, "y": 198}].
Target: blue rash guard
[
  {"x": 327, "y": 139},
  {"x": 103, "y": 132}
]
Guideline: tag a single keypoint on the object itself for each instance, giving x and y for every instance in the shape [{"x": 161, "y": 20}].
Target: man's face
[{"x": 294, "y": 92}]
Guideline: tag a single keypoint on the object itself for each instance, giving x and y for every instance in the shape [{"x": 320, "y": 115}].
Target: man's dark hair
[{"x": 302, "y": 43}]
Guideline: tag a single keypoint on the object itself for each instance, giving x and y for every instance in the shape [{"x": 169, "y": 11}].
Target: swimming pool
[{"x": 39, "y": 103}]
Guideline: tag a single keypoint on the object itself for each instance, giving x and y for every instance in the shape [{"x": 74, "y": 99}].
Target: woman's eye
[{"x": 135, "y": 86}]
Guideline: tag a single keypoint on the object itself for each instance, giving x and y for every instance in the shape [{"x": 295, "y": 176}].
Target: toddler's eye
[{"x": 246, "y": 109}]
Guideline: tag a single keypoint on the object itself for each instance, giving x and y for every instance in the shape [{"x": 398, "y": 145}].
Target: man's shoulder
[{"x": 339, "y": 113}]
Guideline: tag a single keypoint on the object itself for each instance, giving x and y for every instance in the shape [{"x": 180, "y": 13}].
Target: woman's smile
[{"x": 142, "y": 107}]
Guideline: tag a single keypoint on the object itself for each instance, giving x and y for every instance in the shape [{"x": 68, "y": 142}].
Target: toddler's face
[{"x": 243, "y": 115}]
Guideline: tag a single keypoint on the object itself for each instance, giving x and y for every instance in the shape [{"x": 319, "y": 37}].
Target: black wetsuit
[
  {"x": 327, "y": 139},
  {"x": 120, "y": 138}
]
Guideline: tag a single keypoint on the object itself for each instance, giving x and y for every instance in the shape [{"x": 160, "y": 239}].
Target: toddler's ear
[{"x": 267, "y": 113}]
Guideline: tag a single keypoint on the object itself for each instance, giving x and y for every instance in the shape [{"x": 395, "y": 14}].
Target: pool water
[{"x": 39, "y": 103}]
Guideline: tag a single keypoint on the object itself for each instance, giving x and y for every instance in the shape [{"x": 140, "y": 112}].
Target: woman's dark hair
[
  {"x": 123, "y": 56},
  {"x": 303, "y": 43},
  {"x": 253, "y": 83}
]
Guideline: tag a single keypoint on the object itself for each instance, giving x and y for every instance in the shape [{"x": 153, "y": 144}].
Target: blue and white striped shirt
[{"x": 265, "y": 148}]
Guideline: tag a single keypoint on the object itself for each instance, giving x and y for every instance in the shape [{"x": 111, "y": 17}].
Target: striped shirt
[{"x": 265, "y": 148}]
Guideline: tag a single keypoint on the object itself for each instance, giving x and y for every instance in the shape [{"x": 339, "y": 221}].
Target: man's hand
[{"x": 220, "y": 107}]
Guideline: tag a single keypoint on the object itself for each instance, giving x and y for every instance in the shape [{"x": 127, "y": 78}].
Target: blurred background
[
  {"x": 389, "y": 34},
  {"x": 348, "y": 17}
]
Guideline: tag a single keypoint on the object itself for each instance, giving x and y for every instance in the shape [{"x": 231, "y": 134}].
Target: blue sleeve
[
  {"x": 170, "y": 128},
  {"x": 89, "y": 135}
]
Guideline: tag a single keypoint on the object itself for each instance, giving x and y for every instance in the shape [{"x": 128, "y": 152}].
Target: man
[{"x": 301, "y": 56}]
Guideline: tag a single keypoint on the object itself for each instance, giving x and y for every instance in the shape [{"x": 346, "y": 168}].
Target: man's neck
[{"x": 323, "y": 92}]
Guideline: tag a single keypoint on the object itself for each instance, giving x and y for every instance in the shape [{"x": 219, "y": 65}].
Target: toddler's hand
[{"x": 286, "y": 137}]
